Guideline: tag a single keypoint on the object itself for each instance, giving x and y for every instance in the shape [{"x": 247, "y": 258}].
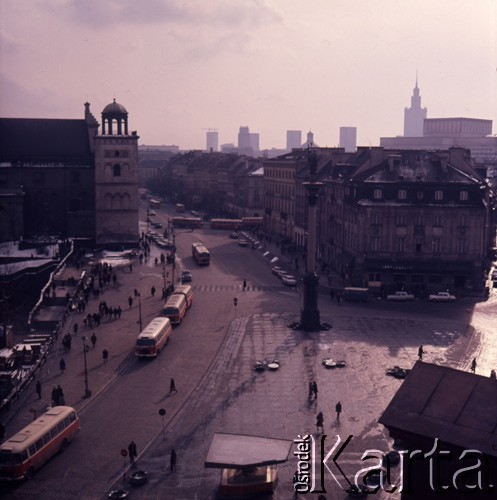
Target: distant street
[{"x": 211, "y": 357}]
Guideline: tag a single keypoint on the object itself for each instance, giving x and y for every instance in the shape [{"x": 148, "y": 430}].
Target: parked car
[
  {"x": 400, "y": 296},
  {"x": 234, "y": 235},
  {"x": 275, "y": 270},
  {"x": 289, "y": 280},
  {"x": 442, "y": 297},
  {"x": 186, "y": 276},
  {"x": 243, "y": 243},
  {"x": 163, "y": 243},
  {"x": 157, "y": 225},
  {"x": 151, "y": 212}
]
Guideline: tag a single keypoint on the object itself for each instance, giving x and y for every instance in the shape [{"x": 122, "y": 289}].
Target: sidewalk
[{"x": 114, "y": 335}]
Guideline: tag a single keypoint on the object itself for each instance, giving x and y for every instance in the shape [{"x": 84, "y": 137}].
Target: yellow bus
[
  {"x": 153, "y": 338},
  {"x": 25, "y": 452}
]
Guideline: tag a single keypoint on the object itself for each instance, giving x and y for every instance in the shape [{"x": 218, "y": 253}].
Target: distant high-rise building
[
  {"x": 212, "y": 140},
  {"x": 254, "y": 142},
  {"x": 293, "y": 139},
  {"x": 348, "y": 139},
  {"x": 248, "y": 143},
  {"x": 415, "y": 115}
]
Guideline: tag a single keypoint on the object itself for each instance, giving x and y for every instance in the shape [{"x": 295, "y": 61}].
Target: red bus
[
  {"x": 153, "y": 338},
  {"x": 175, "y": 308},
  {"x": 250, "y": 222},
  {"x": 226, "y": 223},
  {"x": 25, "y": 452}
]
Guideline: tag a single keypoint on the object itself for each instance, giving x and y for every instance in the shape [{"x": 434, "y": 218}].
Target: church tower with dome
[{"x": 116, "y": 180}]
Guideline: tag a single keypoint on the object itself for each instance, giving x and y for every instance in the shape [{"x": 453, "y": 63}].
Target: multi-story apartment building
[
  {"x": 388, "y": 219},
  {"x": 420, "y": 220}
]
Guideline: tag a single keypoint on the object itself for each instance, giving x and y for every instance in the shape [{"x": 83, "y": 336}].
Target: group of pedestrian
[
  {"x": 320, "y": 416},
  {"x": 57, "y": 396},
  {"x": 133, "y": 455},
  {"x": 313, "y": 389}
]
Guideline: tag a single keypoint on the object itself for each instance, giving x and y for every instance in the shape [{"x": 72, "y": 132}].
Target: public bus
[
  {"x": 187, "y": 292},
  {"x": 153, "y": 203},
  {"x": 226, "y": 223},
  {"x": 191, "y": 222},
  {"x": 201, "y": 255},
  {"x": 196, "y": 244},
  {"x": 180, "y": 208},
  {"x": 175, "y": 308},
  {"x": 252, "y": 222},
  {"x": 355, "y": 294},
  {"x": 25, "y": 452},
  {"x": 153, "y": 338}
]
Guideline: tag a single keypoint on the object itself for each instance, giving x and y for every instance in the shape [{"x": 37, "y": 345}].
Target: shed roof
[
  {"x": 236, "y": 451},
  {"x": 459, "y": 408}
]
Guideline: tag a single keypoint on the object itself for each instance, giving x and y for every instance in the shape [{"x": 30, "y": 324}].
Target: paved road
[{"x": 218, "y": 389}]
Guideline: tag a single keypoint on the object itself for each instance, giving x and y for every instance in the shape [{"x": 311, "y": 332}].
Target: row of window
[
  {"x": 52, "y": 434},
  {"x": 419, "y": 220},
  {"x": 376, "y": 245},
  {"x": 402, "y": 194}
]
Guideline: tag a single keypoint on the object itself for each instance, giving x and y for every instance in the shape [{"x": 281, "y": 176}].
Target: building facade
[
  {"x": 348, "y": 139},
  {"x": 49, "y": 180}
]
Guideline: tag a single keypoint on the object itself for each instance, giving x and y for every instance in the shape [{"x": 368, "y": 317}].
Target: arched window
[{"x": 117, "y": 170}]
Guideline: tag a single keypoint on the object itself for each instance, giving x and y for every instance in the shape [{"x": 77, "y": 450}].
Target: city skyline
[{"x": 270, "y": 65}]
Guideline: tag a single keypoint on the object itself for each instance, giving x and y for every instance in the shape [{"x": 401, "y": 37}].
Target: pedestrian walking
[
  {"x": 473, "y": 365},
  {"x": 75, "y": 328},
  {"x": 172, "y": 464},
  {"x": 93, "y": 339},
  {"x": 420, "y": 353},
  {"x": 244, "y": 284},
  {"x": 319, "y": 421},
  {"x": 105, "y": 355},
  {"x": 315, "y": 388},
  {"x": 152, "y": 291},
  {"x": 130, "y": 301},
  {"x": 172, "y": 386},
  {"x": 310, "y": 390},
  {"x": 38, "y": 389},
  {"x": 132, "y": 452},
  {"x": 338, "y": 409},
  {"x": 62, "y": 365}
]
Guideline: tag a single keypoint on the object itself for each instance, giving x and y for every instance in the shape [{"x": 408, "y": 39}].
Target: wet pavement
[{"x": 234, "y": 398}]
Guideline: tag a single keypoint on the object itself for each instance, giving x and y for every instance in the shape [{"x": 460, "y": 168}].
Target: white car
[
  {"x": 289, "y": 280},
  {"x": 442, "y": 297},
  {"x": 243, "y": 243},
  {"x": 400, "y": 296}
]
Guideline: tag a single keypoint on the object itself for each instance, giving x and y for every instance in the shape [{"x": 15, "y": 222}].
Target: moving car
[
  {"x": 151, "y": 212},
  {"x": 243, "y": 243},
  {"x": 234, "y": 235},
  {"x": 186, "y": 276},
  {"x": 156, "y": 224},
  {"x": 442, "y": 297},
  {"x": 400, "y": 296}
]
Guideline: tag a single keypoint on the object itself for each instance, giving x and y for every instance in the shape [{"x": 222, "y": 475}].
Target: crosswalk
[{"x": 238, "y": 288}]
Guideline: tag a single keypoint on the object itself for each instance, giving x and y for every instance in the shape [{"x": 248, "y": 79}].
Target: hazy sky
[{"x": 181, "y": 66}]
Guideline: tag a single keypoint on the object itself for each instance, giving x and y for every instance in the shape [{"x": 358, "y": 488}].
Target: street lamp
[
  {"x": 86, "y": 348},
  {"x": 140, "y": 310}
]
